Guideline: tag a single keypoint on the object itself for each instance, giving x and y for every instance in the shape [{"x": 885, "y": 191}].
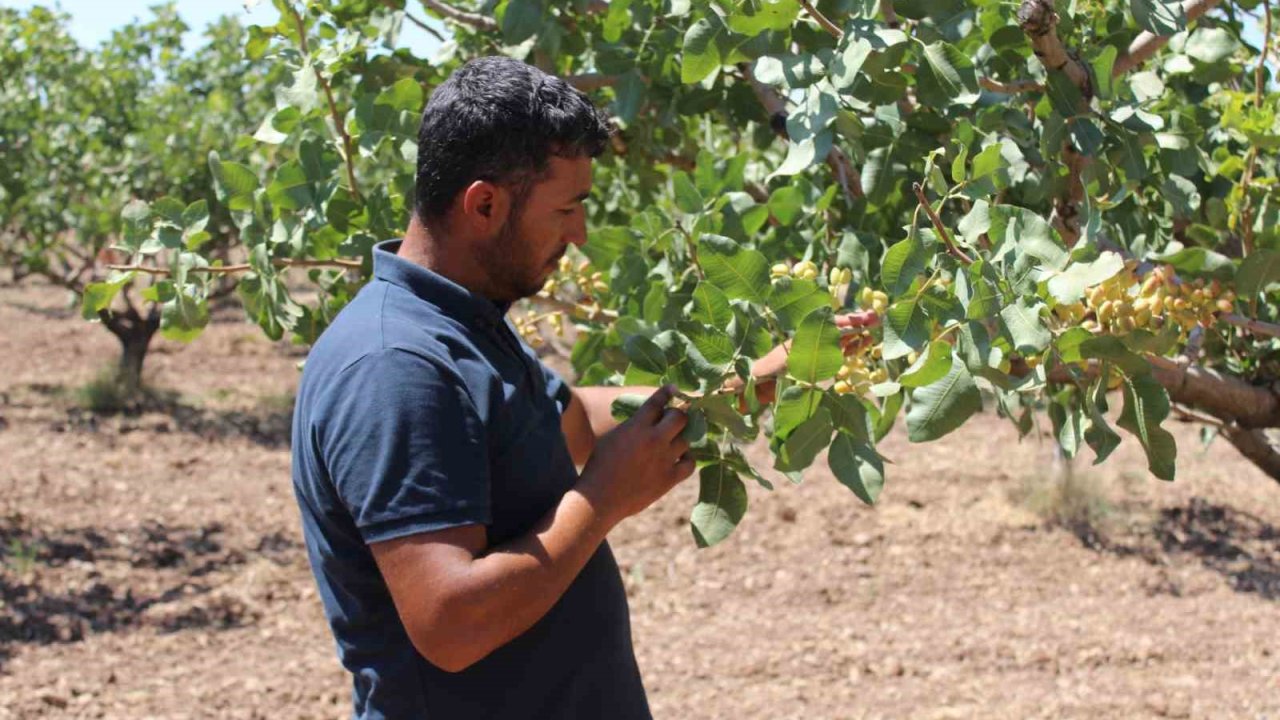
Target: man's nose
[{"x": 578, "y": 234}]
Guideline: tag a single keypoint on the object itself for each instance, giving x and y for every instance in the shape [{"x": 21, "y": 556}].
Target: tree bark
[
  {"x": 1259, "y": 446},
  {"x": 134, "y": 333}
]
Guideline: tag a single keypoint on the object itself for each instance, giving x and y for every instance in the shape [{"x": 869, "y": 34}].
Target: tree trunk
[{"x": 134, "y": 333}]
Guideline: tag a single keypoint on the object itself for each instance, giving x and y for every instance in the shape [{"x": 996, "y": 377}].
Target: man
[{"x": 460, "y": 555}]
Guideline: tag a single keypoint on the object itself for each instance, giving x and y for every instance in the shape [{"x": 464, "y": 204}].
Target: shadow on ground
[
  {"x": 1235, "y": 544},
  {"x": 61, "y": 586},
  {"x": 268, "y": 425}
]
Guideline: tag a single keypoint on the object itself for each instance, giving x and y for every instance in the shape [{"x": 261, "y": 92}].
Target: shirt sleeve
[{"x": 405, "y": 447}]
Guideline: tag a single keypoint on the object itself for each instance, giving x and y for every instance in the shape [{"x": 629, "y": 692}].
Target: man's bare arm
[{"x": 460, "y": 600}]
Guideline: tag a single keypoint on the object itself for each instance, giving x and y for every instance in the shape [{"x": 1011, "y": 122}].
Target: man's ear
[{"x": 485, "y": 205}]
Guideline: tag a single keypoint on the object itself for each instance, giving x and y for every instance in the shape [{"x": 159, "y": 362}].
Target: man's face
[{"x": 537, "y": 234}]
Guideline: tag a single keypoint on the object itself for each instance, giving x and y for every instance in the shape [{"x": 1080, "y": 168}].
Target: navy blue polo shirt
[{"x": 420, "y": 409}]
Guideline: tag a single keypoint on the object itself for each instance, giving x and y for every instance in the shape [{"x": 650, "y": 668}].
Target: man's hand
[
  {"x": 767, "y": 369},
  {"x": 639, "y": 461}
]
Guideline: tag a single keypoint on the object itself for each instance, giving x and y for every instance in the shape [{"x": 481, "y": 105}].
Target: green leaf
[
  {"x": 521, "y": 20},
  {"x": 234, "y": 183},
  {"x": 905, "y": 260},
  {"x": 975, "y": 222},
  {"x": 849, "y": 61},
  {"x": 1069, "y": 285},
  {"x": 645, "y": 354},
  {"x": 98, "y": 296},
  {"x": 1260, "y": 269},
  {"x": 701, "y": 53},
  {"x": 304, "y": 92},
  {"x": 711, "y": 306},
  {"x": 949, "y": 73},
  {"x": 696, "y": 427},
  {"x": 793, "y": 299},
  {"x": 687, "y": 197},
  {"x": 805, "y": 442},
  {"x": 1097, "y": 433},
  {"x": 1034, "y": 235},
  {"x": 794, "y": 406},
  {"x": 1102, "y": 64},
  {"x": 1210, "y": 44},
  {"x": 607, "y": 244},
  {"x": 785, "y": 204},
  {"x": 1113, "y": 349},
  {"x": 906, "y": 328},
  {"x": 857, "y": 466},
  {"x": 815, "y": 351},
  {"x": 1146, "y": 405},
  {"x": 626, "y": 405},
  {"x": 1063, "y": 94},
  {"x": 289, "y": 189},
  {"x": 930, "y": 367},
  {"x": 742, "y": 273},
  {"x": 405, "y": 95},
  {"x": 1159, "y": 17},
  {"x": 722, "y": 503},
  {"x": 184, "y": 317},
  {"x": 943, "y": 406}
]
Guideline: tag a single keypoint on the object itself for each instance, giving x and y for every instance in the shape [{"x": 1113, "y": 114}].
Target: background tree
[
  {"x": 1046, "y": 202},
  {"x": 85, "y": 132}
]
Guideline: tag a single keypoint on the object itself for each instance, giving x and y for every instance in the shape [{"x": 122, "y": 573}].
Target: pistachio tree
[
  {"x": 88, "y": 135},
  {"x": 1067, "y": 207}
]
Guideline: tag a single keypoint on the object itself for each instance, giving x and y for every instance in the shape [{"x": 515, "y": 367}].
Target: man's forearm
[{"x": 512, "y": 586}]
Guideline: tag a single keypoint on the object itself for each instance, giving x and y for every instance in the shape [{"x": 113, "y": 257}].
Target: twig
[
  {"x": 937, "y": 225},
  {"x": 591, "y": 81},
  {"x": 573, "y": 309},
  {"x": 1012, "y": 88},
  {"x": 1147, "y": 43},
  {"x": 1192, "y": 416},
  {"x": 890, "y": 15},
  {"x": 1256, "y": 327},
  {"x": 338, "y": 124},
  {"x": 823, "y": 20},
  {"x": 230, "y": 269},
  {"x": 435, "y": 33},
  {"x": 461, "y": 16},
  {"x": 1262, "y": 61}
]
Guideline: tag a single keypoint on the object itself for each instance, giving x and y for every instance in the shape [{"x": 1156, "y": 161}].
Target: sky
[{"x": 93, "y": 20}]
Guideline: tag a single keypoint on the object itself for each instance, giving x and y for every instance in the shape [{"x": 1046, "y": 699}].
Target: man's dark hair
[{"x": 500, "y": 120}]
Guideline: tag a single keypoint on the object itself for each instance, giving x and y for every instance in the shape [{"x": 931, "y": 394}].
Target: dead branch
[
  {"x": 450, "y": 12},
  {"x": 233, "y": 269}
]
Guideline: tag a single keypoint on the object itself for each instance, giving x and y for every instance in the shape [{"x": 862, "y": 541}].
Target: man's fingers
[
  {"x": 684, "y": 467},
  {"x": 862, "y": 318},
  {"x": 671, "y": 423},
  {"x": 652, "y": 408},
  {"x": 680, "y": 447}
]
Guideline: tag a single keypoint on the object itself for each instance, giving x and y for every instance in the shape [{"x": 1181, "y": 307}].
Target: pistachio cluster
[
  {"x": 862, "y": 367},
  {"x": 1125, "y": 303},
  {"x": 876, "y": 300},
  {"x": 803, "y": 270}
]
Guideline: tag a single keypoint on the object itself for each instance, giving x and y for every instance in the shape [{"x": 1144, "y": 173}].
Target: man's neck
[{"x": 447, "y": 257}]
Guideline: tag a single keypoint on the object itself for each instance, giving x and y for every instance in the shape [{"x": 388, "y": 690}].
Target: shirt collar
[{"x": 452, "y": 299}]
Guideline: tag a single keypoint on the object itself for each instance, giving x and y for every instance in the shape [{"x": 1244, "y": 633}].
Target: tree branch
[
  {"x": 1257, "y": 327},
  {"x": 338, "y": 124},
  {"x": 1256, "y": 445},
  {"x": 461, "y": 16},
  {"x": 232, "y": 269},
  {"x": 1013, "y": 88},
  {"x": 1040, "y": 23},
  {"x": 591, "y": 81},
  {"x": 1222, "y": 396},
  {"x": 937, "y": 225},
  {"x": 1147, "y": 43},
  {"x": 776, "y": 108},
  {"x": 573, "y": 309},
  {"x": 822, "y": 20},
  {"x": 435, "y": 33}
]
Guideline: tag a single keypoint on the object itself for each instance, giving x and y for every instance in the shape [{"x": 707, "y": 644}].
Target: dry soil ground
[{"x": 152, "y": 567}]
